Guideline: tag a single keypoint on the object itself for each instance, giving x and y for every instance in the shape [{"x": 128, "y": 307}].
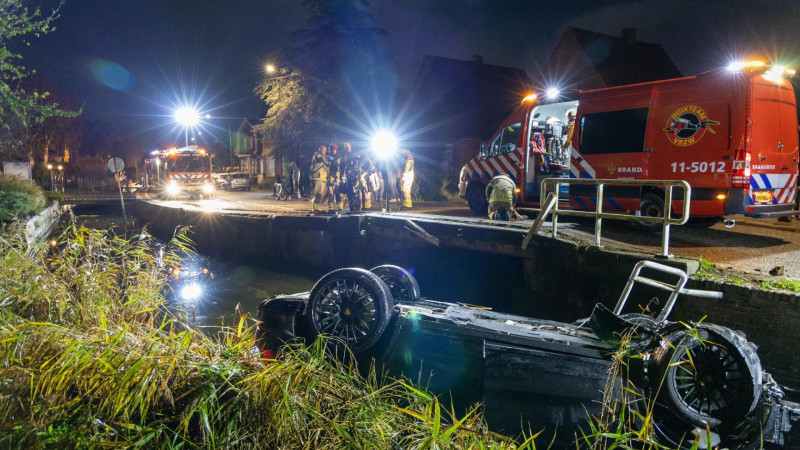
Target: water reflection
[
  {"x": 209, "y": 292},
  {"x": 204, "y": 290}
]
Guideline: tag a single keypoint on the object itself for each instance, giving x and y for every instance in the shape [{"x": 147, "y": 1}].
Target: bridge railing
[{"x": 550, "y": 206}]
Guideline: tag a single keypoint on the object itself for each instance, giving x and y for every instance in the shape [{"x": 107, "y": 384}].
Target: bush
[{"x": 19, "y": 198}]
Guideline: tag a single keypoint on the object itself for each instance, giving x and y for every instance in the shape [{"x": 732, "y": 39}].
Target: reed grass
[{"x": 92, "y": 357}]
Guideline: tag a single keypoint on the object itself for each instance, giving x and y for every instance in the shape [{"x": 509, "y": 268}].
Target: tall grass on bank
[{"x": 92, "y": 357}]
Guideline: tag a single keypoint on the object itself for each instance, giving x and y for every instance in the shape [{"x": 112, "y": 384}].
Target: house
[
  {"x": 584, "y": 60},
  {"x": 461, "y": 102},
  {"x": 254, "y": 153}
]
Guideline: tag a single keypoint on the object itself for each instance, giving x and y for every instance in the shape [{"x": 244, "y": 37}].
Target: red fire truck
[
  {"x": 179, "y": 172},
  {"x": 731, "y": 133}
]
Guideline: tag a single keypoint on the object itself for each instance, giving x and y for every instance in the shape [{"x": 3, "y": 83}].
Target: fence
[
  {"x": 91, "y": 185},
  {"x": 551, "y": 187}
]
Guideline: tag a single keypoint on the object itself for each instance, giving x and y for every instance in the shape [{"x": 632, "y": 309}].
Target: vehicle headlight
[
  {"x": 207, "y": 188},
  {"x": 173, "y": 188}
]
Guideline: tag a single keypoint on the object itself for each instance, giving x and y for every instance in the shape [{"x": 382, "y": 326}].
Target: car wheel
[
  {"x": 401, "y": 283},
  {"x": 352, "y": 305},
  {"x": 709, "y": 376},
  {"x": 477, "y": 200},
  {"x": 651, "y": 206}
]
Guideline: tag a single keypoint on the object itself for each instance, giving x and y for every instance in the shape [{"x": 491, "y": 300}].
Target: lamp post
[
  {"x": 61, "y": 178},
  {"x": 188, "y": 117},
  {"x": 384, "y": 146},
  {"x": 50, "y": 169}
]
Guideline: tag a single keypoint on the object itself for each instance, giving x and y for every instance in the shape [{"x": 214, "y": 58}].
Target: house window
[{"x": 613, "y": 131}]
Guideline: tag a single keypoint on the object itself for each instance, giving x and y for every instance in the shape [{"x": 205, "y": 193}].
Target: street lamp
[
  {"x": 269, "y": 68},
  {"x": 188, "y": 117},
  {"x": 384, "y": 146},
  {"x": 52, "y": 185}
]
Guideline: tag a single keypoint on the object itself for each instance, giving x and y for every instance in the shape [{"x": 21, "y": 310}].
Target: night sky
[{"x": 134, "y": 61}]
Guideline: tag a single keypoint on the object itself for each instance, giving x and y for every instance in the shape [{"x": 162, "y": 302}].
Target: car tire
[
  {"x": 353, "y": 306},
  {"x": 651, "y": 205},
  {"x": 476, "y": 198},
  {"x": 401, "y": 283},
  {"x": 709, "y": 376}
]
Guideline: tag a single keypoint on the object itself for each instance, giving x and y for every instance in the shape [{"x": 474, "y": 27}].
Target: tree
[
  {"x": 334, "y": 79},
  {"x": 21, "y": 108}
]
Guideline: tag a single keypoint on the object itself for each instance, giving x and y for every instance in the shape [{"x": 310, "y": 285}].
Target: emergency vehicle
[
  {"x": 179, "y": 172},
  {"x": 731, "y": 133}
]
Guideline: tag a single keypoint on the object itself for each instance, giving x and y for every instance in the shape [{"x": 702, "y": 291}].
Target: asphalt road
[{"x": 753, "y": 246}]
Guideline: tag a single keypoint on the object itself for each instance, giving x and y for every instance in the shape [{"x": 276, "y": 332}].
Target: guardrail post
[{"x": 598, "y": 219}]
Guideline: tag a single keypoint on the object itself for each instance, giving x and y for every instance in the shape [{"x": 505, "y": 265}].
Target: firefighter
[
  {"x": 566, "y": 148},
  {"x": 295, "y": 178},
  {"x": 364, "y": 187},
  {"x": 333, "y": 177},
  {"x": 500, "y": 193},
  {"x": 351, "y": 167},
  {"x": 407, "y": 179},
  {"x": 319, "y": 177}
]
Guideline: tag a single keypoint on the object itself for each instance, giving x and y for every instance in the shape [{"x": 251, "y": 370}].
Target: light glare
[
  {"x": 191, "y": 292},
  {"x": 187, "y": 116},
  {"x": 384, "y": 144}
]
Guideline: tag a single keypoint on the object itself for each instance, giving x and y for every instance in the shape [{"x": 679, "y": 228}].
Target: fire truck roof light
[
  {"x": 553, "y": 93},
  {"x": 529, "y": 97},
  {"x": 739, "y": 65}
]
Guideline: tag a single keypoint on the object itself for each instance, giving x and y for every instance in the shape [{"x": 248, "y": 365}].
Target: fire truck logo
[{"x": 687, "y": 125}]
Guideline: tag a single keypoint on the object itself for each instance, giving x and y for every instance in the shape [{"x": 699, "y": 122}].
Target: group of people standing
[{"x": 351, "y": 178}]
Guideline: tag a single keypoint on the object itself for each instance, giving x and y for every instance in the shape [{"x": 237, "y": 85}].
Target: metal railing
[
  {"x": 673, "y": 288},
  {"x": 549, "y": 205}
]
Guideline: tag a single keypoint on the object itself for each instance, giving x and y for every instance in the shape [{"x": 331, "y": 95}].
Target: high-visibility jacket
[
  {"x": 501, "y": 189},
  {"x": 319, "y": 167}
]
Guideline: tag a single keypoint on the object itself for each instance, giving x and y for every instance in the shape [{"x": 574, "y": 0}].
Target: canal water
[{"x": 207, "y": 290}]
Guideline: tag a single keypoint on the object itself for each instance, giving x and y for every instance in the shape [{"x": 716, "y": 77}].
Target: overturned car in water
[{"x": 694, "y": 384}]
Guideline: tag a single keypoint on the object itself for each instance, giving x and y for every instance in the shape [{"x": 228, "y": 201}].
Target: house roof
[
  {"x": 584, "y": 59},
  {"x": 466, "y": 98}
]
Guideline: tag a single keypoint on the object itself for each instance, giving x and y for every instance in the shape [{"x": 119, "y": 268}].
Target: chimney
[{"x": 628, "y": 35}]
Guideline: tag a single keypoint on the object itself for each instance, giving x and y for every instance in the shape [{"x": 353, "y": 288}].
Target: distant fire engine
[
  {"x": 181, "y": 172},
  {"x": 731, "y": 133}
]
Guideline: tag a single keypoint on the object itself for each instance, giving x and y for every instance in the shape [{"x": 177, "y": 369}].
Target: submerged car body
[{"x": 532, "y": 374}]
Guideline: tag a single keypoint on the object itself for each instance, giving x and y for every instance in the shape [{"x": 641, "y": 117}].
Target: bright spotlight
[
  {"x": 191, "y": 292},
  {"x": 553, "y": 93},
  {"x": 187, "y": 116},
  {"x": 384, "y": 144}
]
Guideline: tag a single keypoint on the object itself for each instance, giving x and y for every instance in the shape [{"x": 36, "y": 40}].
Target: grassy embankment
[{"x": 93, "y": 358}]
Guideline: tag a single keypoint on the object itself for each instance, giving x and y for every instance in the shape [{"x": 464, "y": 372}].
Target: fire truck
[
  {"x": 731, "y": 133},
  {"x": 179, "y": 172}
]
